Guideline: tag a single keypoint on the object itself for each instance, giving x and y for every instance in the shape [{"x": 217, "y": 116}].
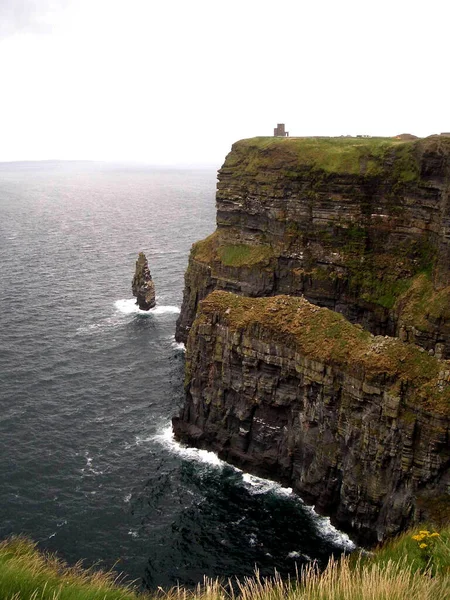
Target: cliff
[
  {"x": 357, "y": 424},
  {"x": 356, "y": 225}
]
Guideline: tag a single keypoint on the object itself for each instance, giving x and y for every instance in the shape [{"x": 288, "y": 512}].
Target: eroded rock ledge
[
  {"x": 357, "y": 424},
  {"x": 359, "y": 226}
]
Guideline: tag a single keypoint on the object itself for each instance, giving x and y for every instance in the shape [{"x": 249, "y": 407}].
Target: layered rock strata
[
  {"x": 142, "y": 285},
  {"x": 358, "y": 226},
  {"x": 357, "y": 424}
]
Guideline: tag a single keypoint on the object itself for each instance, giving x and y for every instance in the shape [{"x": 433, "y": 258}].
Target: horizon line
[{"x": 112, "y": 162}]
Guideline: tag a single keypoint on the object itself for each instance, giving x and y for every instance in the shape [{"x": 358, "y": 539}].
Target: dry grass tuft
[{"x": 397, "y": 571}]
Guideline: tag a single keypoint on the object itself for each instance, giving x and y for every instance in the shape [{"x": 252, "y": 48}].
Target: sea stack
[{"x": 142, "y": 285}]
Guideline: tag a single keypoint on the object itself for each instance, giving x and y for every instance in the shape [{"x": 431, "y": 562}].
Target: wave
[
  {"x": 166, "y": 438},
  {"x": 95, "y": 327},
  {"x": 298, "y": 554},
  {"x": 88, "y": 469},
  {"x": 178, "y": 346},
  {"x": 128, "y": 306},
  {"x": 165, "y": 310},
  {"x": 254, "y": 484},
  {"x": 259, "y": 485},
  {"x": 329, "y": 531}
]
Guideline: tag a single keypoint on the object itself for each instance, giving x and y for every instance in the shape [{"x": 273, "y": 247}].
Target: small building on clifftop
[{"x": 279, "y": 131}]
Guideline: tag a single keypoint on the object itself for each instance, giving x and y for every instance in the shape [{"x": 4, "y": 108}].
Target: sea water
[{"x": 88, "y": 385}]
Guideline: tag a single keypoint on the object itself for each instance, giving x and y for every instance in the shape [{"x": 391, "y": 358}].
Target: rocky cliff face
[
  {"x": 358, "y": 226},
  {"x": 353, "y": 416},
  {"x": 358, "y": 424},
  {"x": 142, "y": 285}
]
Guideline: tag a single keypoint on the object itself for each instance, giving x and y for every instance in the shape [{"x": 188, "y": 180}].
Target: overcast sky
[{"x": 178, "y": 81}]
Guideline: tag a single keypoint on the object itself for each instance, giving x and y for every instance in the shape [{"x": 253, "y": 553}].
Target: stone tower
[{"x": 279, "y": 131}]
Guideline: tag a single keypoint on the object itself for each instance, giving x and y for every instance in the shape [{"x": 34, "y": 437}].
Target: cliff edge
[
  {"x": 317, "y": 322},
  {"x": 357, "y": 424},
  {"x": 359, "y": 226}
]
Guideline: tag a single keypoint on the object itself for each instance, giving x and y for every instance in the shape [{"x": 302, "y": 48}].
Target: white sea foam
[
  {"x": 178, "y": 346},
  {"x": 95, "y": 327},
  {"x": 253, "y": 483},
  {"x": 296, "y": 554},
  {"x": 140, "y": 439},
  {"x": 257, "y": 485},
  {"x": 128, "y": 306},
  {"x": 165, "y": 310},
  {"x": 89, "y": 469},
  {"x": 323, "y": 524},
  {"x": 329, "y": 531},
  {"x": 166, "y": 438}
]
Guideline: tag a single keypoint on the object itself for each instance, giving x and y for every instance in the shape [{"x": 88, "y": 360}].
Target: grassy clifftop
[
  {"x": 326, "y": 336},
  {"x": 355, "y": 224},
  {"x": 415, "y": 566},
  {"x": 340, "y": 155}
]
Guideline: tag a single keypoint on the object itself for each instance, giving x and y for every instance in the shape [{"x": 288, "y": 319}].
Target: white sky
[{"x": 178, "y": 81}]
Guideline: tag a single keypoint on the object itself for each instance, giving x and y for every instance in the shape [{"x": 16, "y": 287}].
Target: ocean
[{"x": 88, "y": 385}]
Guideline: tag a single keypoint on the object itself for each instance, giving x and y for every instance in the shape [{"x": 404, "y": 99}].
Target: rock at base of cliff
[{"x": 142, "y": 284}]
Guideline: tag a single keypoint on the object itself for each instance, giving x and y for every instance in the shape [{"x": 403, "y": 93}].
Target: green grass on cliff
[
  {"x": 242, "y": 255},
  {"x": 340, "y": 155},
  {"x": 422, "y": 304},
  {"x": 216, "y": 248},
  {"x": 26, "y": 574},
  {"x": 426, "y": 548},
  {"x": 415, "y": 566},
  {"x": 327, "y": 337}
]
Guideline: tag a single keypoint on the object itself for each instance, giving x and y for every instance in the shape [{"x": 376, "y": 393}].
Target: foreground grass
[
  {"x": 412, "y": 567},
  {"x": 26, "y": 574},
  {"x": 426, "y": 551}
]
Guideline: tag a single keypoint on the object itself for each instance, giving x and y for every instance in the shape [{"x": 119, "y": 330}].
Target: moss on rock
[
  {"x": 353, "y": 156},
  {"x": 219, "y": 247},
  {"x": 323, "y": 335}
]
